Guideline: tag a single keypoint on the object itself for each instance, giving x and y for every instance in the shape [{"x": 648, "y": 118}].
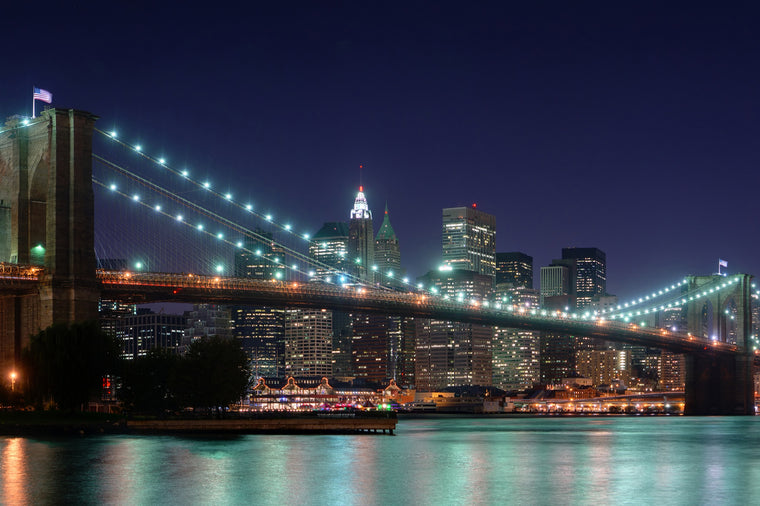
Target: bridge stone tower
[
  {"x": 720, "y": 385},
  {"x": 47, "y": 219}
]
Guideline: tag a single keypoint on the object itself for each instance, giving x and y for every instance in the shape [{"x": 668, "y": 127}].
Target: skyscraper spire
[
  {"x": 361, "y": 209},
  {"x": 386, "y": 231},
  {"x": 360, "y": 233}
]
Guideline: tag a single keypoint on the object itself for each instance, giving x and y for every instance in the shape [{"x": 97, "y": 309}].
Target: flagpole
[{"x": 33, "y": 102}]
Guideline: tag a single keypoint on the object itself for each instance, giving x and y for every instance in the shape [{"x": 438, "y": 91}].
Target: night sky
[{"x": 627, "y": 126}]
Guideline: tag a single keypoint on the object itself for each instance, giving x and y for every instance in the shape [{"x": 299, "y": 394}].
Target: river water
[{"x": 435, "y": 460}]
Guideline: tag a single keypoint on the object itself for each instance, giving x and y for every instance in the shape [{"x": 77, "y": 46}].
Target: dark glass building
[
  {"x": 590, "y": 274},
  {"x": 514, "y": 268}
]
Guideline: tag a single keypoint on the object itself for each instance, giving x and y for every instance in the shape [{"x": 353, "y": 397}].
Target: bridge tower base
[
  {"x": 719, "y": 385},
  {"x": 47, "y": 219}
]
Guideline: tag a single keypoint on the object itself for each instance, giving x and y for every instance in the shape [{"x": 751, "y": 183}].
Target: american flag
[{"x": 43, "y": 95}]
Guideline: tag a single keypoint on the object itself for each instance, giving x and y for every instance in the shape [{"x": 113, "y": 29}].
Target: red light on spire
[
  {"x": 474, "y": 205},
  {"x": 361, "y": 188}
]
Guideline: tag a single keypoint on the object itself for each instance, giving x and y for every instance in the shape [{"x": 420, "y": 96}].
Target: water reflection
[
  {"x": 13, "y": 469},
  {"x": 429, "y": 461}
]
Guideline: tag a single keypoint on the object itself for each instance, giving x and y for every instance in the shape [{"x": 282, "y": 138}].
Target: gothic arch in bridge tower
[
  {"x": 39, "y": 175},
  {"x": 723, "y": 315},
  {"x": 46, "y": 218}
]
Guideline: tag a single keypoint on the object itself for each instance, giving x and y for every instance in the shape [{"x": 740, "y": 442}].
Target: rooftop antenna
[{"x": 361, "y": 184}]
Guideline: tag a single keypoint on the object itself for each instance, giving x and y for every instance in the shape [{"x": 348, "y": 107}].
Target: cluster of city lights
[
  {"x": 668, "y": 297},
  {"x": 343, "y": 278}
]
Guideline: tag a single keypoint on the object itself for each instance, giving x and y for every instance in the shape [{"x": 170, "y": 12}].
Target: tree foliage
[
  {"x": 145, "y": 382},
  {"x": 214, "y": 373},
  {"x": 66, "y": 364}
]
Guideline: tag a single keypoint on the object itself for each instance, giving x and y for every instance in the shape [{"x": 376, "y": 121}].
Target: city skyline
[{"x": 626, "y": 128}]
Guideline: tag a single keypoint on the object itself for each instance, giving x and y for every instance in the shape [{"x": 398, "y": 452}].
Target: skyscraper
[
  {"x": 361, "y": 244},
  {"x": 371, "y": 347},
  {"x": 590, "y": 273},
  {"x": 515, "y": 352},
  {"x": 258, "y": 258},
  {"x": 260, "y": 330},
  {"x": 555, "y": 286},
  {"x": 514, "y": 268},
  {"x": 308, "y": 342},
  {"x": 469, "y": 239},
  {"x": 387, "y": 251},
  {"x": 452, "y": 353},
  {"x": 141, "y": 332},
  {"x": 329, "y": 247}
]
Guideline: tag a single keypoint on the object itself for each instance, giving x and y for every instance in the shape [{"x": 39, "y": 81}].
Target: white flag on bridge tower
[{"x": 722, "y": 263}]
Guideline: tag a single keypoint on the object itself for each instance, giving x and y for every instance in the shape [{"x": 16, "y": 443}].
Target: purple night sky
[{"x": 631, "y": 127}]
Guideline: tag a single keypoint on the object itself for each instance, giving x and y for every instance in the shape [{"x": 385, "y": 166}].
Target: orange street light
[{"x": 13, "y": 381}]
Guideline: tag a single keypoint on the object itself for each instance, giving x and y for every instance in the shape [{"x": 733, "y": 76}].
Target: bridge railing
[
  {"x": 20, "y": 272},
  {"x": 393, "y": 300}
]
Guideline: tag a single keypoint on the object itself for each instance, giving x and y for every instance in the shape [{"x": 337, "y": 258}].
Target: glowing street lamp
[{"x": 13, "y": 381}]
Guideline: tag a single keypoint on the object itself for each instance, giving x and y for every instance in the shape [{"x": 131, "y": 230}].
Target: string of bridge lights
[
  {"x": 681, "y": 299},
  {"x": 227, "y": 197},
  {"x": 640, "y": 304},
  {"x": 646, "y": 298},
  {"x": 701, "y": 292},
  {"x": 179, "y": 218},
  {"x": 205, "y": 185},
  {"x": 340, "y": 277}
]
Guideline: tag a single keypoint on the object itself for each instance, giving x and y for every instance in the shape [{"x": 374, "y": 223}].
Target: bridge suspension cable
[
  {"x": 220, "y": 219},
  {"x": 206, "y": 185},
  {"x": 343, "y": 276},
  {"x": 674, "y": 300}
]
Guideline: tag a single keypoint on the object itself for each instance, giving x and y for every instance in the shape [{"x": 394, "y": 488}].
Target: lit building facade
[
  {"x": 515, "y": 269},
  {"x": 673, "y": 372},
  {"x": 110, "y": 312},
  {"x": 361, "y": 244},
  {"x": 139, "y": 333},
  {"x": 308, "y": 342},
  {"x": 515, "y": 358},
  {"x": 258, "y": 259},
  {"x": 209, "y": 320},
  {"x": 590, "y": 274},
  {"x": 452, "y": 353},
  {"x": 469, "y": 240},
  {"x": 554, "y": 284},
  {"x": 382, "y": 348},
  {"x": 260, "y": 330},
  {"x": 387, "y": 253},
  {"x": 261, "y": 333},
  {"x": 604, "y": 367},
  {"x": 329, "y": 247}
]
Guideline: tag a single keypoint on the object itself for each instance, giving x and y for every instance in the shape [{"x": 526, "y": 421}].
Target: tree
[
  {"x": 214, "y": 373},
  {"x": 66, "y": 364},
  {"x": 145, "y": 382}
]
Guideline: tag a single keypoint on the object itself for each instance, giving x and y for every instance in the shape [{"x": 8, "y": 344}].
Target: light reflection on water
[{"x": 667, "y": 460}]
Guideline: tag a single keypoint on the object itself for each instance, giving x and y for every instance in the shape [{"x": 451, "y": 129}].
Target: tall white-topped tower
[{"x": 361, "y": 244}]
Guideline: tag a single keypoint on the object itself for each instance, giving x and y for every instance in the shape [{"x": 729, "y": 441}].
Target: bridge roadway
[
  {"x": 153, "y": 287},
  {"x": 140, "y": 288}
]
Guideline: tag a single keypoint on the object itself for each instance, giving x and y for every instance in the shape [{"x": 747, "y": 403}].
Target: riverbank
[{"x": 20, "y": 423}]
